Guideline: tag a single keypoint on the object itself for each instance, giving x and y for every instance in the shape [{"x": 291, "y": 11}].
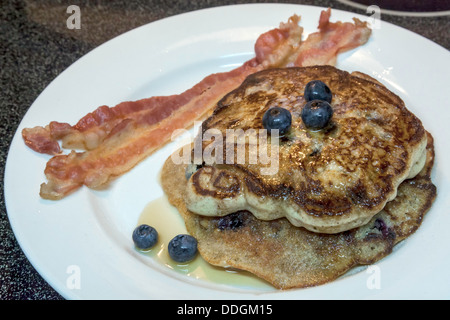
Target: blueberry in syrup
[
  {"x": 277, "y": 118},
  {"x": 317, "y": 90},
  {"x": 182, "y": 248},
  {"x": 316, "y": 114},
  {"x": 145, "y": 237}
]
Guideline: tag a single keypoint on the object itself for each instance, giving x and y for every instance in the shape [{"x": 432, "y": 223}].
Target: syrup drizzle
[{"x": 161, "y": 215}]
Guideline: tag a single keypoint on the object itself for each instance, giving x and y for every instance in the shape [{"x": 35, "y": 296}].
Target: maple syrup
[{"x": 162, "y": 216}]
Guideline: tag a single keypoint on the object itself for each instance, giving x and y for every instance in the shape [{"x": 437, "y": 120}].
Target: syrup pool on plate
[{"x": 162, "y": 216}]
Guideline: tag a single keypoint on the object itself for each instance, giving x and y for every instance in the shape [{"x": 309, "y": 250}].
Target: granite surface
[{"x": 36, "y": 46}]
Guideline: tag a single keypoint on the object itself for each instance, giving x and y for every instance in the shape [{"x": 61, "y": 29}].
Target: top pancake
[{"x": 327, "y": 181}]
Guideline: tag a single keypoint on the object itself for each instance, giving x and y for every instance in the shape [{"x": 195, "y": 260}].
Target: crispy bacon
[
  {"x": 271, "y": 49},
  {"x": 92, "y": 129},
  {"x": 40, "y": 140},
  {"x": 117, "y": 138},
  {"x": 276, "y": 47},
  {"x": 323, "y": 47},
  {"x": 133, "y": 139}
]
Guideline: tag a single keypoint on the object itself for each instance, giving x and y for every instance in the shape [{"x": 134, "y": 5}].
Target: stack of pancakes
[{"x": 341, "y": 196}]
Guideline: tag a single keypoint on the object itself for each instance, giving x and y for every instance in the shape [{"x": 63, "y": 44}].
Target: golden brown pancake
[
  {"x": 328, "y": 180},
  {"x": 293, "y": 257}
]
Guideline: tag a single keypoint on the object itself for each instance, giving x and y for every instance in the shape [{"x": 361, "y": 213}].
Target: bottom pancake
[{"x": 293, "y": 257}]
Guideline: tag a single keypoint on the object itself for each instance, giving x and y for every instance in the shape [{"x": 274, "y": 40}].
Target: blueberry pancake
[
  {"x": 339, "y": 160},
  {"x": 292, "y": 257}
]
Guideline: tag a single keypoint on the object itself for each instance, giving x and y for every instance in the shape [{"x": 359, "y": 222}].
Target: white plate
[{"x": 88, "y": 234}]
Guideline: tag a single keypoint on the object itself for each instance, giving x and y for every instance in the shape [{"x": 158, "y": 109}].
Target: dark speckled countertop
[{"x": 36, "y": 46}]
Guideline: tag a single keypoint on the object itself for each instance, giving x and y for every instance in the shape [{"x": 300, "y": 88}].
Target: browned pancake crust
[
  {"x": 292, "y": 257},
  {"x": 329, "y": 180}
]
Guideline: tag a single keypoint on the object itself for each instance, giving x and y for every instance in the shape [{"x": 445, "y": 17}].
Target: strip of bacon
[
  {"x": 276, "y": 47},
  {"x": 271, "y": 48},
  {"x": 132, "y": 140},
  {"x": 118, "y": 138},
  {"x": 323, "y": 47}
]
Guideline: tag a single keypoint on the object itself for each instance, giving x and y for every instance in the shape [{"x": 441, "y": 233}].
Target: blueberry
[
  {"x": 316, "y": 114},
  {"x": 381, "y": 226},
  {"x": 277, "y": 118},
  {"x": 317, "y": 90},
  {"x": 182, "y": 248},
  {"x": 145, "y": 237},
  {"x": 231, "y": 221}
]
